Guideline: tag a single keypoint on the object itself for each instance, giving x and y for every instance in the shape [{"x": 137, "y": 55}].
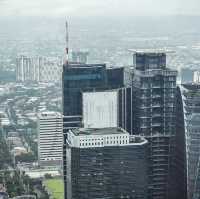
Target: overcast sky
[{"x": 99, "y": 7}]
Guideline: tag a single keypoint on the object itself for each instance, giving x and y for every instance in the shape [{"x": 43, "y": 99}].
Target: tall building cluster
[{"x": 124, "y": 131}]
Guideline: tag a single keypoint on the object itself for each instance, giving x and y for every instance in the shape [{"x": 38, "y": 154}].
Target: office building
[
  {"x": 76, "y": 78},
  {"x": 106, "y": 163},
  {"x": 50, "y": 139},
  {"x": 80, "y": 81},
  {"x": 80, "y": 78},
  {"x": 189, "y": 110},
  {"x": 154, "y": 88}
]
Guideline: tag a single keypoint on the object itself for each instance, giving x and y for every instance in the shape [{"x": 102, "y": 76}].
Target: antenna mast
[{"x": 67, "y": 43}]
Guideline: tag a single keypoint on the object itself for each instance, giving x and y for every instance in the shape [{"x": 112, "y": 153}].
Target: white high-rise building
[
  {"x": 196, "y": 77},
  {"x": 39, "y": 69},
  {"x": 50, "y": 139}
]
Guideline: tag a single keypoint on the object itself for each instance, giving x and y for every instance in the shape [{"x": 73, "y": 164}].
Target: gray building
[
  {"x": 154, "y": 88},
  {"x": 106, "y": 163}
]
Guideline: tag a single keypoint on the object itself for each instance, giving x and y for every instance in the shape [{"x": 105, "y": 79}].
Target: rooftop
[
  {"x": 102, "y": 131},
  {"x": 151, "y": 51},
  {"x": 81, "y": 65},
  {"x": 49, "y": 114}
]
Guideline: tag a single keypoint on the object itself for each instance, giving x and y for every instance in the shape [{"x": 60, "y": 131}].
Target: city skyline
[{"x": 108, "y": 122}]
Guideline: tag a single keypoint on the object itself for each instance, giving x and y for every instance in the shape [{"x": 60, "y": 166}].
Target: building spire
[{"x": 67, "y": 42}]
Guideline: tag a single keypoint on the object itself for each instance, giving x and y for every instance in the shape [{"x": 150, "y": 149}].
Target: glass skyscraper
[
  {"x": 76, "y": 78},
  {"x": 106, "y": 163},
  {"x": 189, "y": 109}
]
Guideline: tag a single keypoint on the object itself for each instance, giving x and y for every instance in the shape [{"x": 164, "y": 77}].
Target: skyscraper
[
  {"x": 38, "y": 69},
  {"x": 81, "y": 78},
  {"x": 76, "y": 78},
  {"x": 154, "y": 88},
  {"x": 189, "y": 110},
  {"x": 50, "y": 139},
  {"x": 106, "y": 163}
]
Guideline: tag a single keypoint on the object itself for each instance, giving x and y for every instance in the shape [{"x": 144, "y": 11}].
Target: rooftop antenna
[{"x": 67, "y": 43}]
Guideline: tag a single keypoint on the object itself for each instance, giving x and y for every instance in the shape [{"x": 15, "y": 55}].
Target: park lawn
[{"x": 55, "y": 187}]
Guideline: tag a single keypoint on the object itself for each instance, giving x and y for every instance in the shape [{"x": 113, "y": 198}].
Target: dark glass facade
[
  {"x": 179, "y": 163},
  {"x": 189, "y": 95},
  {"x": 125, "y": 109},
  {"x": 78, "y": 78},
  {"x": 112, "y": 172},
  {"x": 146, "y": 61},
  {"x": 119, "y": 77},
  {"x": 154, "y": 88}
]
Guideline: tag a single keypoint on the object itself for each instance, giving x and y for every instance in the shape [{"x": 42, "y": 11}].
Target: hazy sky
[{"x": 99, "y": 7}]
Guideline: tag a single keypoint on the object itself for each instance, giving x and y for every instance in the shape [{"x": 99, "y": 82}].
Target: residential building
[
  {"x": 25, "y": 69},
  {"x": 50, "y": 139},
  {"x": 106, "y": 163}
]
